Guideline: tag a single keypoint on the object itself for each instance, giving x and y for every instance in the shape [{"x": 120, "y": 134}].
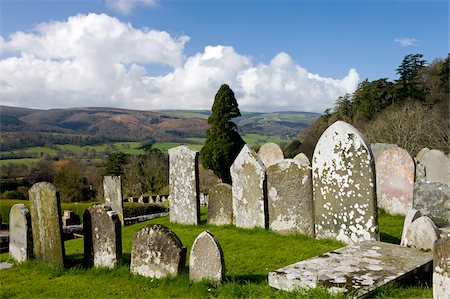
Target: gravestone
[
  {"x": 395, "y": 180},
  {"x": 45, "y": 210},
  {"x": 248, "y": 174},
  {"x": 20, "y": 233},
  {"x": 206, "y": 259},
  {"x": 303, "y": 159},
  {"x": 220, "y": 205},
  {"x": 441, "y": 267},
  {"x": 430, "y": 199},
  {"x": 378, "y": 148},
  {"x": 184, "y": 186},
  {"x": 344, "y": 186},
  {"x": 102, "y": 237},
  {"x": 112, "y": 188},
  {"x": 270, "y": 153},
  {"x": 421, "y": 234},
  {"x": 421, "y": 154},
  {"x": 157, "y": 252},
  {"x": 411, "y": 216},
  {"x": 290, "y": 201},
  {"x": 437, "y": 167}
]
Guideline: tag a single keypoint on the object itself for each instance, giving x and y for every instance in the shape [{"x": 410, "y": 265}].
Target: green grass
[
  {"x": 256, "y": 139},
  {"x": 27, "y": 161}
]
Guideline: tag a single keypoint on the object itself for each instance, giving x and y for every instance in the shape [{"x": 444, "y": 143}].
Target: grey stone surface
[
  {"x": 220, "y": 205},
  {"x": 290, "y": 204},
  {"x": 303, "y": 159},
  {"x": 157, "y": 252},
  {"x": 357, "y": 269},
  {"x": 248, "y": 174},
  {"x": 102, "y": 237},
  {"x": 206, "y": 259},
  {"x": 421, "y": 234},
  {"x": 344, "y": 186},
  {"x": 20, "y": 233},
  {"x": 441, "y": 269},
  {"x": 184, "y": 186},
  {"x": 45, "y": 210},
  {"x": 430, "y": 199},
  {"x": 270, "y": 153},
  {"x": 395, "y": 180},
  {"x": 5, "y": 265},
  {"x": 378, "y": 148},
  {"x": 410, "y": 217},
  {"x": 437, "y": 167},
  {"x": 112, "y": 188},
  {"x": 421, "y": 154}
]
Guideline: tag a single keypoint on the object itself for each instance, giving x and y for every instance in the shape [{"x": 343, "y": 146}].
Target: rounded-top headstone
[
  {"x": 411, "y": 216},
  {"x": 303, "y": 159},
  {"x": 220, "y": 205},
  {"x": 437, "y": 167},
  {"x": 270, "y": 153},
  {"x": 421, "y": 154},
  {"x": 20, "y": 234},
  {"x": 421, "y": 234}
]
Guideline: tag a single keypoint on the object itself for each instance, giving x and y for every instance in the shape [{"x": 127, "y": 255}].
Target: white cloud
[
  {"x": 406, "y": 42},
  {"x": 126, "y": 6},
  {"x": 96, "y": 60}
]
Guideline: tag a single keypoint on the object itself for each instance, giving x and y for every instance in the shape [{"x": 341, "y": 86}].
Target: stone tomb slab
[{"x": 357, "y": 269}]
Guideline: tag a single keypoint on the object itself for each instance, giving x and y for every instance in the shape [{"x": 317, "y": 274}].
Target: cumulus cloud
[
  {"x": 406, "y": 42},
  {"x": 96, "y": 60},
  {"x": 126, "y": 6}
]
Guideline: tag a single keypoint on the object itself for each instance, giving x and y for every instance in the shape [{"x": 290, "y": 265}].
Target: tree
[
  {"x": 115, "y": 164},
  {"x": 223, "y": 142},
  {"x": 410, "y": 85},
  {"x": 71, "y": 182}
]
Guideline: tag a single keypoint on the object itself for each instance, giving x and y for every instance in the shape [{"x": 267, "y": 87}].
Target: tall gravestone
[
  {"x": 20, "y": 233},
  {"x": 344, "y": 186},
  {"x": 248, "y": 174},
  {"x": 270, "y": 153},
  {"x": 45, "y": 209},
  {"x": 184, "y": 186},
  {"x": 441, "y": 269},
  {"x": 395, "y": 180},
  {"x": 102, "y": 237},
  {"x": 290, "y": 201},
  {"x": 220, "y": 205},
  {"x": 112, "y": 188},
  {"x": 437, "y": 167},
  {"x": 430, "y": 199}
]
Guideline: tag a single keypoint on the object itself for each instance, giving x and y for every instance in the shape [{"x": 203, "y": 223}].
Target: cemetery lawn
[{"x": 249, "y": 256}]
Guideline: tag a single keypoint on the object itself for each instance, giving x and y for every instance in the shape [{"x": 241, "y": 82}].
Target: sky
[{"x": 280, "y": 55}]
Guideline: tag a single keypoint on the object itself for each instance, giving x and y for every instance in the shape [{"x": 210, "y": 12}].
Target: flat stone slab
[{"x": 356, "y": 269}]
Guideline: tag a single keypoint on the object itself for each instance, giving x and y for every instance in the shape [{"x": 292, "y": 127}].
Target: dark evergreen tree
[
  {"x": 115, "y": 164},
  {"x": 410, "y": 85}
]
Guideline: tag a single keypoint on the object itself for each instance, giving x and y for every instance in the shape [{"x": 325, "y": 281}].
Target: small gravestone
[
  {"x": 270, "y": 153},
  {"x": 430, "y": 199},
  {"x": 411, "y": 216},
  {"x": 102, "y": 237},
  {"x": 184, "y": 186},
  {"x": 45, "y": 210},
  {"x": 421, "y": 234},
  {"x": 248, "y": 174},
  {"x": 441, "y": 267},
  {"x": 421, "y": 154},
  {"x": 112, "y": 188},
  {"x": 344, "y": 186},
  {"x": 437, "y": 167},
  {"x": 157, "y": 252},
  {"x": 303, "y": 159},
  {"x": 20, "y": 233},
  {"x": 220, "y": 205},
  {"x": 290, "y": 198},
  {"x": 378, "y": 148},
  {"x": 206, "y": 259},
  {"x": 395, "y": 180}
]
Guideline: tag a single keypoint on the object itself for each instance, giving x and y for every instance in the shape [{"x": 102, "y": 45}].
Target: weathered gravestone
[
  {"x": 395, "y": 180},
  {"x": 378, "y": 148},
  {"x": 184, "y": 186},
  {"x": 112, "y": 188},
  {"x": 437, "y": 167},
  {"x": 421, "y": 234},
  {"x": 270, "y": 153},
  {"x": 220, "y": 205},
  {"x": 303, "y": 159},
  {"x": 421, "y": 154},
  {"x": 441, "y": 266},
  {"x": 157, "y": 252},
  {"x": 344, "y": 186},
  {"x": 430, "y": 199},
  {"x": 248, "y": 174},
  {"x": 20, "y": 233},
  {"x": 411, "y": 216},
  {"x": 102, "y": 237},
  {"x": 45, "y": 210},
  {"x": 206, "y": 259},
  {"x": 290, "y": 201}
]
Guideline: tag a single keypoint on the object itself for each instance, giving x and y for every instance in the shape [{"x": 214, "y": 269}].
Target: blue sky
[{"x": 276, "y": 55}]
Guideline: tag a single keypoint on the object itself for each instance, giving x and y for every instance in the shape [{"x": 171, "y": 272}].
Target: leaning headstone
[
  {"x": 157, "y": 252},
  {"x": 270, "y": 153},
  {"x": 344, "y": 186},
  {"x": 303, "y": 159},
  {"x": 184, "y": 186},
  {"x": 378, "y": 148},
  {"x": 441, "y": 267},
  {"x": 112, "y": 188},
  {"x": 20, "y": 233},
  {"x": 411, "y": 216},
  {"x": 248, "y": 174},
  {"x": 45, "y": 212},
  {"x": 430, "y": 200},
  {"x": 290, "y": 201},
  {"x": 220, "y": 205},
  {"x": 395, "y": 180},
  {"x": 437, "y": 167},
  {"x": 102, "y": 237},
  {"x": 206, "y": 259},
  {"x": 421, "y": 234}
]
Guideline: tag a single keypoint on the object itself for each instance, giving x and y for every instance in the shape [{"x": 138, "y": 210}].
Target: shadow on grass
[
  {"x": 76, "y": 261},
  {"x": 389, "y": 239},
  {"x": 248, "y": 278}
]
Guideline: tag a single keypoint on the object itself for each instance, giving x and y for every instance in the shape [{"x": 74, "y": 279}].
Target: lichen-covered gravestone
[
  {"x": 344, "y": 186},
  {"x": 441, "y": 266},
  {"x": 157, "y": 252},
  {"x": 112, "y": 188},
  {"x": 184, "y": 186},
  {"x": 395, "y": 180},
  {"x": 430, "y": 199},
  {"x": 248, "y": 174},
  {"x": 290, "y": 197},
  {"x": 220, "y": 205},
  {"x": 437, "y": 167},
  {"x": 411, "y": 216},
  {"x": 102, "y": 237},
  {"x": 20, "y": 233},
  {"x": 303, "y": 159},
  {"x": 270, "y": 153},
  {"x": 421, "y": 234},
  {"x": 45, "y": 209},
  {"x": 206, "y": 259}
]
